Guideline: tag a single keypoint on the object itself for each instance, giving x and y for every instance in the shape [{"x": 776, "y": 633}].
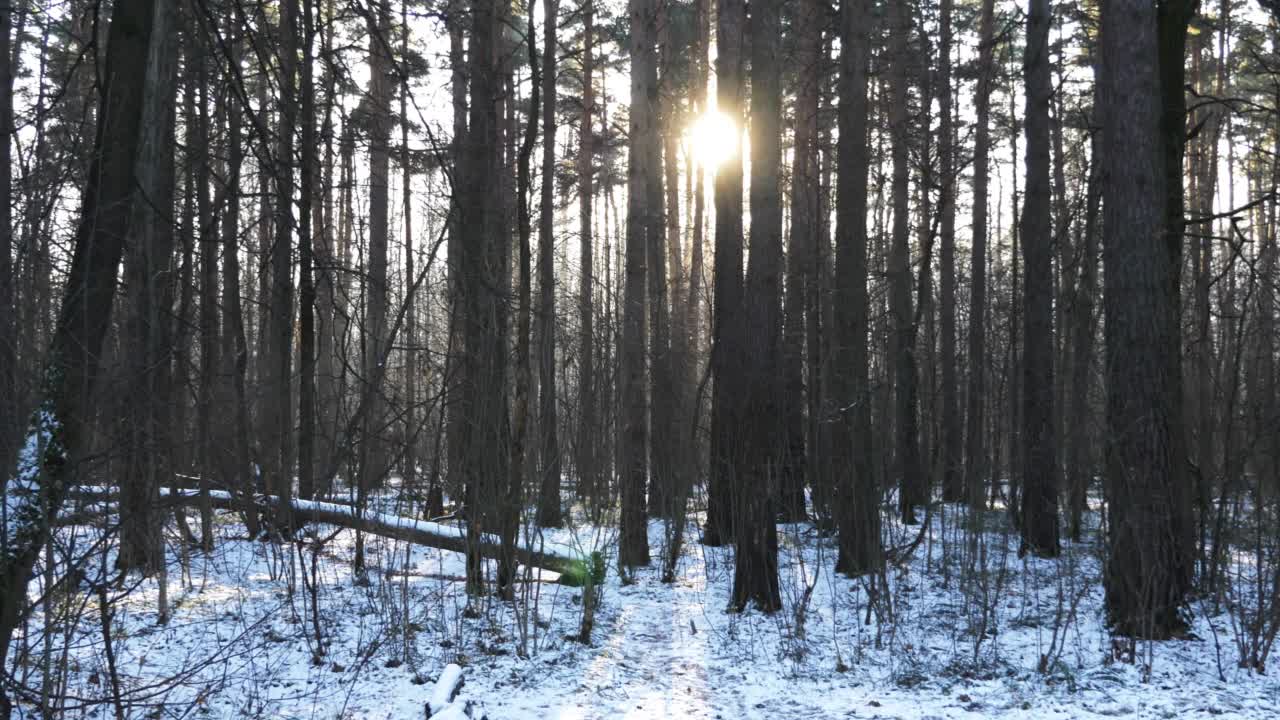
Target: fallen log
[{"x": 573, "y": 566}]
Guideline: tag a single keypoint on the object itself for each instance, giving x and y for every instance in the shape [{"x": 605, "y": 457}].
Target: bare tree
[
  {"x": 857, "y": 497},
  {"x": 1040, "y": 473}
]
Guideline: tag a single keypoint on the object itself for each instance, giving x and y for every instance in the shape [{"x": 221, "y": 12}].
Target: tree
[
  {"x": 510, "y": 501},
  {"x": 53, "y": 456},
  {"x": 906, "y": 422},
  {"x": 149, "y": 294},
  {"x": 765, "y": 449},
  {"x": 802, "y": 271},
  {"x": 857, "y": 498},
  {"x": 643, "y": 158},
  {"x": 483, "y": 269},
  {"x": 975, "y": 431},
  {"x": 588, "y": 472},
  {"x": 549, "y": 492},
  {"x": 278, "y": 410},
  {"x": 1149, "y": 563},
  {"x": 307, "y": 262},
  {"x": 952, "y": 432},
  {"x": 727, "y": 328},
  {"x": 1039, "y": 523},
  {"x": 373, "y": 463},
  {"x": 10, "y": 428}
]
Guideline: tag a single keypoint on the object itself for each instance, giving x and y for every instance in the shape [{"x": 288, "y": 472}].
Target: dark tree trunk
[
  {"x": 411, "y": 371},
  {"x": 549, "y": 494},
  {"x": 857, "y": 497},
  {"x": 306, "y": 270},
  {"x": 238, "y": 470},
  {"x": 755, "y": 576},
  {"x": 728, "y": 343},
  {"x": 277, "y": 405},
  {"x": 199, "y": 129},
  {"x": 801, "y": 272},
  {"x": 589, "y": 478},
  {"x": 149, "y": 285},
  {"x": 1079, "y": 465},
  {"x": 1149, "y": 565},
  {"x": 509, "y": 508},
  {"x": 906, "y": 422},
  {"x": 10, "y": 426},
  {"x": 644, "y": 156},
  {"x": 952, "y": 450},
  {"x": 484, "y": 434},
  {"x": 975, "y": 469},
  {"x": 1039, "y": 524},
  {"x": 454, "y": 392},
  {"x": 373, "y": 456}
]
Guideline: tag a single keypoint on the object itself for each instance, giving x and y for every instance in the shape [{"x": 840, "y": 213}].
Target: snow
[
  {"x": 446, "y": 686},
  {"x": 22, "y": 509},
  {"x": 241, "y": 640}
]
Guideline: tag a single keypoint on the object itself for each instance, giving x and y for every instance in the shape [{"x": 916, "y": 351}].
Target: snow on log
[
  {"x": 572, "y": 564},
  {"x": 446, "y": 687}
]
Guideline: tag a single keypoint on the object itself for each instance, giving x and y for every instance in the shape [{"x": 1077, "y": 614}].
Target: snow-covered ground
[{"x": 241, "y": 641}]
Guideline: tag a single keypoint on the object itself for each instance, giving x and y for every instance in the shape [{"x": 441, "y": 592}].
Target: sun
[{"x": 714, "y": 139}]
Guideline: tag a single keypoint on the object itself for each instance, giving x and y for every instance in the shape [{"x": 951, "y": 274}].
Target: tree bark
[
  {"x": 149, "y": 284},
  {"x": 1039, "y": 524},
  {"x": 766, "y": 450},
  {"x": 589, "y": 479},
  {"x": 549, "y": 514},
  {"x": 952, "y": 450},
  {"x": 643, "y": 159},
  {"x": 975, "y": 469},
  {"x": 483, "y": 266},
  {"x": 1149, "y": 565},
  {"x": 906, "y": 422},
  {"x": 857, "y": 497},
  {"x": 728, "y": 341},
  {"x": 801, "y": 270}
]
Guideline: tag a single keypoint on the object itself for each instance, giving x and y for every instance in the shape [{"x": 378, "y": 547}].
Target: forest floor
[{"x": 241, "y": 641}]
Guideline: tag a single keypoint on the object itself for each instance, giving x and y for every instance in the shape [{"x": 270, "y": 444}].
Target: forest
[{"x": 661, "y": 358}]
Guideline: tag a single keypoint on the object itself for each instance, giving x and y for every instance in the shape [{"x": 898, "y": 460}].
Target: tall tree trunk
[
  {"x": 755, "y": 576},
  {"x": 149, "y": 282},
  {"x": 207, "y": 234},
  {"x": 326, "y": 270},
  {"x": 278, "y": 407},
  {"x": 952, "y": 450},
  {"x": 975, "y": 469},
  {"x": 1039, "y": 524},
  {"x": 549, "y": 492},
  {"x": 1148, "y": 572},
  {"x": 306, "y": 271},
  {"x": 510, "y": 503},
  {"x": 644, "y": 156},
  {"x": 802, "y": 250},
  {"x": 727, "y": 334},
  {"x": 906, "y": 427},
  {"x": 484, "y": 438},
  {"x": 410, "y": 444},
  {"x": 458, "y": 83},
  {"x": 589, "y": 478},
  {"x": 53, "y": 456},
  {"x": 857, "y": 497},
  {"x": 662, "y": 388},
  {"x": 10, "y": 426},
  {"x": 373, "y": 463},
  {"x": 1079, "y": 466},
  {"x": 234, "y": 343}
]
